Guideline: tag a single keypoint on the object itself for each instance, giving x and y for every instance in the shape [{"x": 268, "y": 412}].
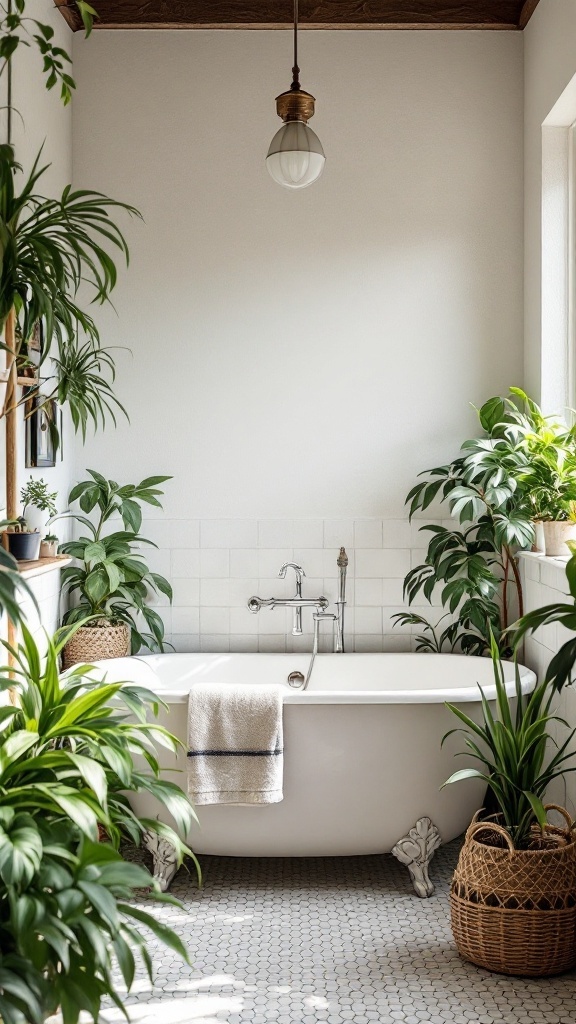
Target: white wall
[
  {"x": 544, "y": 582},
  {"x": 549, "y": 66},
  {"x": 301, "y": 355},
  {"x": 40, "y": 119}
]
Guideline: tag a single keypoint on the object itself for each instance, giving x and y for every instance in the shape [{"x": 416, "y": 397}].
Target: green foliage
[
  {"x": 113, "y": 581},
  {"x": 48, "y": 248},
  {"x": 35, "y": 493},
  {"x": 18, "y": 30},
  {"x": 561, "y": 667},
  {"x": 511, "y": 748},
  {"x": 523, "y": 468},
  {"x": 67, "y": 763}
]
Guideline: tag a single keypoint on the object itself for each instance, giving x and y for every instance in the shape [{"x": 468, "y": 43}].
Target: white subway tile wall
[
  {"x": 42, "y": 618},
  {"x": 216, "y": 565},
  {"x": 544, "y": 582}
]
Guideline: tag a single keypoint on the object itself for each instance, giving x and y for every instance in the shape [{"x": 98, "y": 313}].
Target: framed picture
[
  {"x": 40, "y": 423},
  {"x": 36, "y": 343}
]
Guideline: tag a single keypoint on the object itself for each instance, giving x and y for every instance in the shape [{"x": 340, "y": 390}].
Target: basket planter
[
  {"x": 514, "y": 911},
  {"x": 97, "y": 643}
]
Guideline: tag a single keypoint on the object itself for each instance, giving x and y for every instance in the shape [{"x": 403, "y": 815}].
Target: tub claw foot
[
  {"x": 416, "y": 851},
  {"x": 164, "y": 859}
]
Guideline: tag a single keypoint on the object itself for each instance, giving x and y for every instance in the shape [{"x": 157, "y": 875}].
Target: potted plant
[
  {"x": 70, "y": 931},
  {"x": 473, "y": 566},
  {"x": 38, "y": 504},
  {"x": 513, "y": 896},
  {"x": 112, "y": 583},
  {"x": 49, "y": 546},
  {"x": 23, "y": 543},
  {"x": 548, "y": 478}
]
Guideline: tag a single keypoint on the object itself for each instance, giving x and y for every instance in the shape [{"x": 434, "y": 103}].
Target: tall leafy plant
[
  {"x": 68, "y": 753},
  {"x": 112, "y": 581},
  {"x": 48, "y": 248},
  {"x": 473, "y": 567},
  {"x": 511, "y": 748}
]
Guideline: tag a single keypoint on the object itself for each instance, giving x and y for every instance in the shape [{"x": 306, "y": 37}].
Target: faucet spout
[{"x": 297, "y": 614}]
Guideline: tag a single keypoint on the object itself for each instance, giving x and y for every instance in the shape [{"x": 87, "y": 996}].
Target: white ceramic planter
[
  {"x": 556, "y": 536},
  {"x": 37, "y": 520}
]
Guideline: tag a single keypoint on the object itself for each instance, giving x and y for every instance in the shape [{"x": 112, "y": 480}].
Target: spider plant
[
  {"x": 68, "y": 751},
  {"x": 512, "y": 749},
  {"x": 48, "y": 248}
]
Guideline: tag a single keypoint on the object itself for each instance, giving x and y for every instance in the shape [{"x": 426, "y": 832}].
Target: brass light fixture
[{"x": 295, "y": 158}]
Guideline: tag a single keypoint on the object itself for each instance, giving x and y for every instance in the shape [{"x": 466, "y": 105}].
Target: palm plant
[
  {"x": 48, "y": 248},
  {"x": 113, "y": 582},
  {"x": 512, "y": 748},
  {"x": 68, "y": 751}
]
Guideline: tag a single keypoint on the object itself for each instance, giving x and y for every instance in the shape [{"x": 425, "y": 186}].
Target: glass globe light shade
[{"x": 295, "y": 158}]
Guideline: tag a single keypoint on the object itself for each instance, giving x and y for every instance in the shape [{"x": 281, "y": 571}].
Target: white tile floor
[{"x": 343, "y": 941}]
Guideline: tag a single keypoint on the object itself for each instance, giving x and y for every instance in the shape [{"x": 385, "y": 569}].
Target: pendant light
[{"x": 295, "y": 158}]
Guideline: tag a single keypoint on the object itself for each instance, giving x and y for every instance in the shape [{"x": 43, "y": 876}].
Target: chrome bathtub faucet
[{"x": 320, "y": 604}]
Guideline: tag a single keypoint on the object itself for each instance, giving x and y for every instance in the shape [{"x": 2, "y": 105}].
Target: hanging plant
[{"x": 48, "y": 249}]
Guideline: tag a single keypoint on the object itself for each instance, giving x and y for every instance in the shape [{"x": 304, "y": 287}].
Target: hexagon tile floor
[{"x": 340, "y": 940}]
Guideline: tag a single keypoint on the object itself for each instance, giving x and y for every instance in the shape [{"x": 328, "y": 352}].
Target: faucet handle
[{"x": 291, "y": 565}]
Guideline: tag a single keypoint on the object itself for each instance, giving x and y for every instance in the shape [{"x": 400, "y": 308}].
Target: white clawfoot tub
[{"x": 362, "y": 749}]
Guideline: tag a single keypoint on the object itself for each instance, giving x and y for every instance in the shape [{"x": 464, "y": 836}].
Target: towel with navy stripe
[{"x": 235, "y": 744}]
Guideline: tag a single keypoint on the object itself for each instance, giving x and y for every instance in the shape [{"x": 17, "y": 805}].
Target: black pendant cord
[{"x": 295, "y": 70}]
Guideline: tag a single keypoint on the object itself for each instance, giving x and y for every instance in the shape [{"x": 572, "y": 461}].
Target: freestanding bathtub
[{"x": 362, "y": 748}]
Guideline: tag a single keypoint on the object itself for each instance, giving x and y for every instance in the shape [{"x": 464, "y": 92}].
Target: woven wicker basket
[
  {"x": 96, "y": 643},
  {"x": 514, "y": 911}
]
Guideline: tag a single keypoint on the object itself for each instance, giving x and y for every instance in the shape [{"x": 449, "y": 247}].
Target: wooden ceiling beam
[
  {"x": 527, "y": 12},
  {"x": 506, "y": 15}
]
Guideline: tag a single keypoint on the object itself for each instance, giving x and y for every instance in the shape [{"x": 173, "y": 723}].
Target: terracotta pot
[
  {"x": 97, "y": 643},
  {"x": 24, "y": 546},
  {"x": 556, "y": 534},
  {"x": 48, "y": 548}
]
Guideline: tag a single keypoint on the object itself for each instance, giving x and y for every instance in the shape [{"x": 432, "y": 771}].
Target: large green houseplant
[
  {"x": 521, "y": 469},
  {"x": 112, "y": 583},
  {"x": 513, "y": 892},
  {"x": 68, "y": 921}
]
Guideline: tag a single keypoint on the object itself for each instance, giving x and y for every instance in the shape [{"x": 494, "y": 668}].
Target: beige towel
[{"x": 235, "y": 753}]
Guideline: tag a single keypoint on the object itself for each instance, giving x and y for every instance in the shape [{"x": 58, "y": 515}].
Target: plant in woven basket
[
  {"x": 68, "y": 922},
  {"x": 512, "y": 748},
  {"x": 112, "y": 584}
]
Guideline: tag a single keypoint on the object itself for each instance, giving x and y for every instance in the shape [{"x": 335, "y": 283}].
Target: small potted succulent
[{"x": 49, "y": 546}]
